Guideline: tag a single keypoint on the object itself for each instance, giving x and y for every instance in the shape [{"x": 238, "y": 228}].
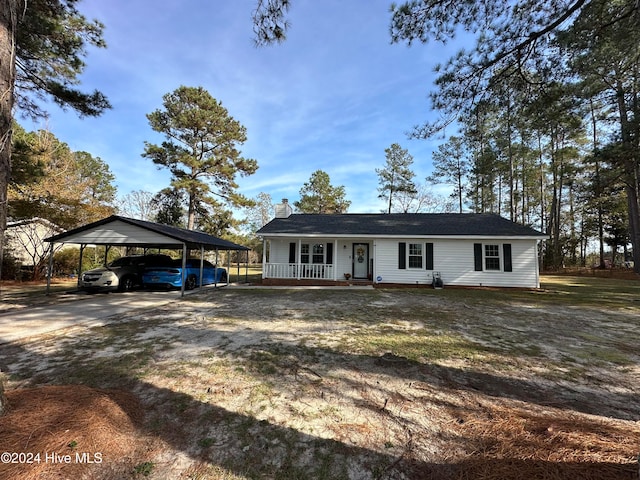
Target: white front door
[{"x": 360, "y": 260}]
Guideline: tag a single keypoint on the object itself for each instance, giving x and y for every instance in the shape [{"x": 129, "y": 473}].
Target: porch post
[
  {"x": 335, "y": 258},
  {"x": 264, "y": 257},
  {"x": 299, "y": 259}
]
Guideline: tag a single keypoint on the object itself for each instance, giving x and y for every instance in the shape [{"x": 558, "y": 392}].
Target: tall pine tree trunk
[
  {"x": 8, "y": 21},
  {"x": 631, "y": 165}
]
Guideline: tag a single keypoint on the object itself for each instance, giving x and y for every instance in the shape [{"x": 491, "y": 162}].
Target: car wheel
[
  {"x": 126, "y": 284},
  {"x": 192, "y": 281}
]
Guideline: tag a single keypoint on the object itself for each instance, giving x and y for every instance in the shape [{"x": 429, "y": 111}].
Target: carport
[{"x": 129, "y": 232}]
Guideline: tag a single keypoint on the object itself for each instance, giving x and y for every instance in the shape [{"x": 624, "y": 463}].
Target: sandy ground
[{"x": 355, "y": 384}]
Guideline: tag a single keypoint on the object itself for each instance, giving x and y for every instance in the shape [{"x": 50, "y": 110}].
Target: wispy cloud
[{"x": 332, "y": 97}]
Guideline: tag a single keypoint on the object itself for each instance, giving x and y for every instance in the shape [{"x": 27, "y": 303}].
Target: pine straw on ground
[
  {"x": 500, "y": 441},
  {"x": 505, "y": 443},
  {"x": 71, "y": 420}
]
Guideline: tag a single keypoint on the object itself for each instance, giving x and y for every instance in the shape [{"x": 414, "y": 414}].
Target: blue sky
[{"x": 332, "y": 97}]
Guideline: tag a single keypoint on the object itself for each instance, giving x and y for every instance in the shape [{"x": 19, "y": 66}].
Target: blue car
[{"x": 170, "y": 275}]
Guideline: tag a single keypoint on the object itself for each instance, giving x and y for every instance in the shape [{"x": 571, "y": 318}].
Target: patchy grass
[
  {"x": 419, "y": 345},
  {"x": 15, "y": 295},
  {"x": 618, "y": 294},
  {"x": 370, "y": 384}
]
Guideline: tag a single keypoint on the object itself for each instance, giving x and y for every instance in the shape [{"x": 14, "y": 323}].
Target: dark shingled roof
[
  {"x": 192, "y": 238},
  {"x": 398, "y": 224}
]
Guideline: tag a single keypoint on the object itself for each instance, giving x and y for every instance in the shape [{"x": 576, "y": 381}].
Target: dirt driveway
[
  {"x": 356, "y": 384},
  {"x": 73, "y": 309}
]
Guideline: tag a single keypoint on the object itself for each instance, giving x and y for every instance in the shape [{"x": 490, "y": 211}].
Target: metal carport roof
[
  {"x": 130, "y": 232},
  {"x": 123, "y": 231}
]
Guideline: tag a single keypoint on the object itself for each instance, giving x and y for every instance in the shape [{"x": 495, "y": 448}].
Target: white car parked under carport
[{"x": 121, "y": 275}]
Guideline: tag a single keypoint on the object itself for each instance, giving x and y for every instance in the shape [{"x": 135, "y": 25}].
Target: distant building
[{"x": 25, "y": 240}]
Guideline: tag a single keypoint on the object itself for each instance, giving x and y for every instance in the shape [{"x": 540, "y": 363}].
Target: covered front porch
[{"x": 317, "y": 259}]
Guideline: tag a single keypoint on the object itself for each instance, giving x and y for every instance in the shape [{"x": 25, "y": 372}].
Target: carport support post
[
  {"x": 215, "y": 271},
  {"x": 246, "y": 269},
  {"x": 201, "y": 265},
  {"x": 184, "y": 268},
  {"x": 106, "y": 254},
  {"x": 50, "y": 268},
  {"x": 82, "y": 247}
]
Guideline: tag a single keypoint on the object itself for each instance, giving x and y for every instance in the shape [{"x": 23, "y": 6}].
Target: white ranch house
[{"x": 462, "y": 249}]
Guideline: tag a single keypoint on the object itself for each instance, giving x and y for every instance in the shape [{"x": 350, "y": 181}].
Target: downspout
[
  {"x": 536, "y": 255},
  {"x": 374, "y": 267}
]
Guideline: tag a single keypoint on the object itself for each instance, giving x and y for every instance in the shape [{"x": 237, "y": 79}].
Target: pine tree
[
  {"x": 201, "y": 149},
  {"x": 396, "y": 176}
]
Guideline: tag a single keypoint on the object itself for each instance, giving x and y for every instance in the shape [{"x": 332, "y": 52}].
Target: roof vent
[{"x": 283, "y": 210}]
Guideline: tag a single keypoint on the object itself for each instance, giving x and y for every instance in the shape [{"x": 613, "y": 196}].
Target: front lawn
[{"x": 345, "y": 383}]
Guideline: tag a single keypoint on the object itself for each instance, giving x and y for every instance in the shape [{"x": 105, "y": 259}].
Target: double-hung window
[
  {"x": 492, "y": 257},
  {"x": 318, "y": 253},
  {"x": 312, "y": 253},
  {"x": 415, "y": 255},
  {"x": 304, "y": 253}
]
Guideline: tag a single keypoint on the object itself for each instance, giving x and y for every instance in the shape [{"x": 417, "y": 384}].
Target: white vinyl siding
[{"x": 453, "y": 258}]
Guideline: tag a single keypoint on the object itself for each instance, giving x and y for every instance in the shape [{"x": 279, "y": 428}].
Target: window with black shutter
[
  {"x": 402, "y": 255},
  {"x": 477, "y": 257},
  {"x": 429, "y": 256},
  {"x": 506, "y": 253},
  {"x": 292, "y": 252}
]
